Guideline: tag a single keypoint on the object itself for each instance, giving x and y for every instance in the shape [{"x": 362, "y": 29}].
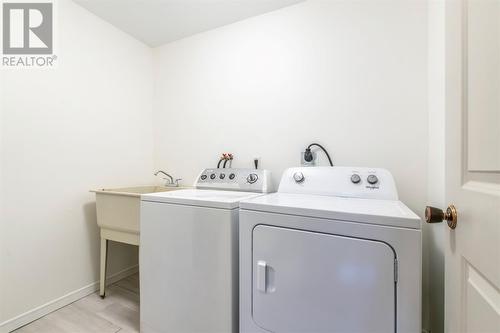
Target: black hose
[
  {"x": 224, "y": 165},
  {"x": 220, "y": 161},
  {"x": 324, "y": 150}
]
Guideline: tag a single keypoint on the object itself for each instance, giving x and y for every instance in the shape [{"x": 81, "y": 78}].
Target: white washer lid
[
  {"x": 203, "y": 198},
  {"x": 371, "y": 211}
]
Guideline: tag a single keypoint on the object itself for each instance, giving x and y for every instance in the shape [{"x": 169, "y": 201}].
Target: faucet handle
[{"x": 177, "y": 181}]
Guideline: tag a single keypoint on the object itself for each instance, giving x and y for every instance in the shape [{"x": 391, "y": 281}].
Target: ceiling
[{"x": 156, "y": 22}]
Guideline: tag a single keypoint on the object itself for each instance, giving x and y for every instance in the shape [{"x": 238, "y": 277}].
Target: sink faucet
[{"x": 169, "y": 180}]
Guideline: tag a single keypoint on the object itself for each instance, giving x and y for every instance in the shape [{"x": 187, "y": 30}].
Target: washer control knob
[
  {"x": 298, "y": 177},
  {"x": 222, "y": 176},
  {"x": 231, "y": 176},
  {"x": 372, "y": 179},
  {"x": 252, "y": 178},
  {"x": 203, "y": 177},
  {"x": 355, "y": 178},
  {"x": 212, "y": 176}
]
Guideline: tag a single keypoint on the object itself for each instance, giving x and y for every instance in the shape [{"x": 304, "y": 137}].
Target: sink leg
[{"x": 104, "y": 259}]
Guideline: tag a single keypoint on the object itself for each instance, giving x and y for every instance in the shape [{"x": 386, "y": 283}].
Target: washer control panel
[
  {"x": 237, "y": 179},
  {"x": 369, "y": 183}
]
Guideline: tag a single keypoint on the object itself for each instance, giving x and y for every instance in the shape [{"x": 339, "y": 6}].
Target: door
[
  {"x": 313, "y": 282},
  {"x": 472, "y": 250}
]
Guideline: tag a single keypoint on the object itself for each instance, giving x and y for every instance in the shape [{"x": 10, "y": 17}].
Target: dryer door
[{"x": 313, "y": 282}]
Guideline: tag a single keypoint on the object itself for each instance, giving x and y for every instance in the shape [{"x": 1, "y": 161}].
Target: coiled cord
[{"x": 308, "y": 155}]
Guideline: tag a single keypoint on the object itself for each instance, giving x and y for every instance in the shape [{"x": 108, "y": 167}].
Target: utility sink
[
  {"x": 118, "y": 215},
  {"x": 118, "y": 211},
  {"x": 135, "y": 191}
]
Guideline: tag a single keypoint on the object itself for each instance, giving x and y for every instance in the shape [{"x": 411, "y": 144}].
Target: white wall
[
  {"x": 351, "y": 75},
  {"x": 83, "y": 125},
  {"x": 436, "y": 162}
]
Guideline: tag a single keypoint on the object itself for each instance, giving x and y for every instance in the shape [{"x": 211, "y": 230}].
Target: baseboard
[{"x": 38, "y": 312}]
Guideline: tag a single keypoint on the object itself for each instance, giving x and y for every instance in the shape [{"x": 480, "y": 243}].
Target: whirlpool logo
[{"x": 28, "y": 34}]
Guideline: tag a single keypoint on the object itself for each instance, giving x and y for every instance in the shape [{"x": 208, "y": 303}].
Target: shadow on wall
[
  {"x": 90, "y": 217},
  {"x": 435, "y": 253}
]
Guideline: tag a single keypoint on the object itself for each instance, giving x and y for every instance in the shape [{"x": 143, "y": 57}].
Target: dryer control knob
[
  {"x": 355, "y": 178},
  {"x": 298, "y": 177},
  {"x": 372, "y": 179}
]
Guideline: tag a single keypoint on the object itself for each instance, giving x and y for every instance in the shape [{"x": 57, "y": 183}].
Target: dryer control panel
[
  {"x": 235, "y": 179},
  {"x": 350, "y": 182}
]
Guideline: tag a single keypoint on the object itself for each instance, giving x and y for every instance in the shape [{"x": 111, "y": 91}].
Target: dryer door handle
[{"x": 261, "y": 275}]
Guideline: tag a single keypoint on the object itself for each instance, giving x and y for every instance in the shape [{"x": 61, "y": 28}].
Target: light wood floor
[{"x": 118, "y": 312}]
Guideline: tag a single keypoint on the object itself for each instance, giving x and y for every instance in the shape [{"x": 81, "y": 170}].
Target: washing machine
[
  {"x": 189, "y": 252},
  {"x": 334, "y": 250}
]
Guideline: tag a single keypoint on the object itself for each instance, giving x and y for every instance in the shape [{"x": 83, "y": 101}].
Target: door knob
[{"x": 436, "y": 215}]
